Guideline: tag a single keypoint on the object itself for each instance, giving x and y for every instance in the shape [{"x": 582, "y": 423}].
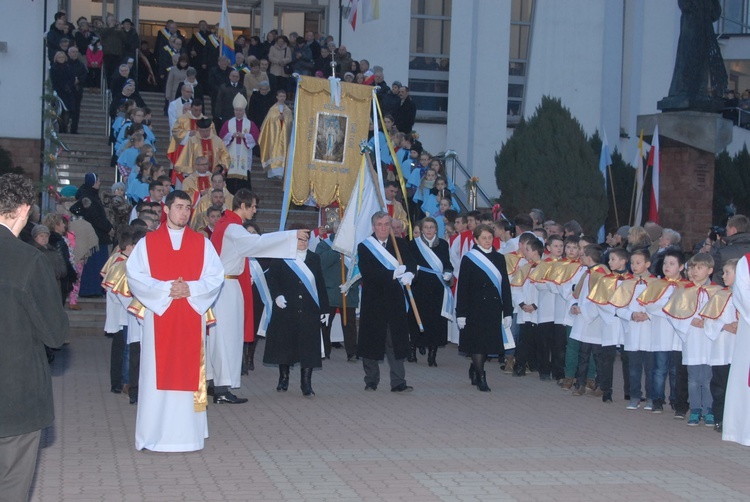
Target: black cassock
[
  {"x": 428, "y": 294},
  {"x": 293, "y": 335},
  {"x": 480, "y": 303}
]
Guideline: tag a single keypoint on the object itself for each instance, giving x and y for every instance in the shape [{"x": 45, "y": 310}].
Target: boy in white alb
[{"x": 526, "y": 306}]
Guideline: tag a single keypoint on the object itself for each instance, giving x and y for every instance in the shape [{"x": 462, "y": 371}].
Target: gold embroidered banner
[{"x": 327, "y": 140}]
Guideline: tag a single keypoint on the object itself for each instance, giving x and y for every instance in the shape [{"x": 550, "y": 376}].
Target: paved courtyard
[{"x": 526, "y": 440}]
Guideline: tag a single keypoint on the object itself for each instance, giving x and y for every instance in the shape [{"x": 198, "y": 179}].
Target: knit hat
[
  {"x": 89, "y": 179},
  {"x": 39, "y": 229},
  {"x": 68, "y": 191},
  {"x": 119, "y": 185},
  {"x": 623, "y": 231}
]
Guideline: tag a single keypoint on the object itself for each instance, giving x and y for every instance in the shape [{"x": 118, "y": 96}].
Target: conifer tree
[{"x": 548, "y": 163}]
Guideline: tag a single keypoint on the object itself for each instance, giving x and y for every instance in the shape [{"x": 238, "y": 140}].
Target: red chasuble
[
  {"x": 177, "y": 332},
  {"x": 245, "y": 280},
  {"x": 207, "y": 147}
]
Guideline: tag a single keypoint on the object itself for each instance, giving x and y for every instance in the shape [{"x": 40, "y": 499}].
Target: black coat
[
  {"x": 428, "y": 294},
  {"x": 90, "y": 206},
  {"x": 258, "y": 106},
  {"x": 383, "y": 304},
  {"x": 294, "y": 332},
  {"x": 479, "y": 302},
  {"x": 33, "y": 317},
  {"x": 63, "y": 82},
  {"x": 405, "y": 115},
  {"x": 224, "y": 108}
]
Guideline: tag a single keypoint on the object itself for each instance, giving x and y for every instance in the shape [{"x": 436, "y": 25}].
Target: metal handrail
[
  {"x": 458, "y": 170},
  {"x": 739, "y": 121}
]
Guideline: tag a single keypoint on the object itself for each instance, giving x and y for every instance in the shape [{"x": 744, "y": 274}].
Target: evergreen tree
[
  {"x": 620, "y": 179},
  {"x": 731, "y": 185},
  {"x": 548, "y": 163}
]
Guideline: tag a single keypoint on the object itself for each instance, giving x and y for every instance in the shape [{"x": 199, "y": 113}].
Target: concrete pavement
[{"x": 526, "y": 440}]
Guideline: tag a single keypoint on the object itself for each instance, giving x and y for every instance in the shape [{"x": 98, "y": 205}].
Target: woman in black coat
[
  {"x": 294, "y": 332},
  {"x": 89, "y": 205},
  {"x": 429, "y": 288},
  {"x": 63, "y": 83},
  {"x": 481, "y": 310}
]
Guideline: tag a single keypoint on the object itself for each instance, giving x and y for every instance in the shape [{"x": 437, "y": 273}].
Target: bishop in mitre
[{"x": 240, "y": 136}]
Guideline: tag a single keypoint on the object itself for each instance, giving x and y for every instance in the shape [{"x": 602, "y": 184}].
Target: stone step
[{"x": 91, "y": 304}]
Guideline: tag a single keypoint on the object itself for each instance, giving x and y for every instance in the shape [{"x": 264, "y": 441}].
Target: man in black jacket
[
  {"x": 34, "y": 317},
  {"x": 81, "y": 73},
  {"x": 406, "y": 112},
  {"x": 384, "y": 324},
  {"x": 735, "y": 245}
]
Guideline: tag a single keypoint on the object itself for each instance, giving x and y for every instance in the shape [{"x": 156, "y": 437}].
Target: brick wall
[
  {"x": 26, "y": 153},
  {"x": 686, "y": 190}
]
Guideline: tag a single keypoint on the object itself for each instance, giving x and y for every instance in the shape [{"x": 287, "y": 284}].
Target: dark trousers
[
  {"x": 544, "y": 335},
  {"x": 640, "y": 362},
  {"x": 134, "y": 364},
  {"x": 678, "y": 382},
  {"x": 75, "y": 114},
  {"x": 526, "y": 351},
  {"x": 111, "y": 63},
  {"x": 585, "y": 352},
  {"x": 604, "y": 357},
  {"x": 372, "y": 366},
  {"x": 234, "y": 184},
  {"x": 625, "y": 367},
  {"x": 350, "y": 332},
  {"x": 17, "y": 464},
  {"x": 115, "y": 359},
  {"x": 558, "y": 346},
  {"x": 719, "y": 379}
]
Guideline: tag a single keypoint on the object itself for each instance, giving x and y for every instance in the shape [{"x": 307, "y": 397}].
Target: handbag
[{"x": 289, "y": 67}]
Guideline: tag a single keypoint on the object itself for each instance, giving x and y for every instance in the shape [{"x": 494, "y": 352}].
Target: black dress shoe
[
  {"x": 229, "y": 398},
  {"x": 371, "y": 387},
  {"x": 402, "y": 388},
  {"x": 116, "y": 389}
]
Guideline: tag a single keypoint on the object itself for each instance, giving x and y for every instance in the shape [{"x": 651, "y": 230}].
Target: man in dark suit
[
  {"x": 384, "y": 324},
  {"x": 225, "y": 97},
  {"x": 33, "y": 317},
  {"x": 406, "y": 112}
]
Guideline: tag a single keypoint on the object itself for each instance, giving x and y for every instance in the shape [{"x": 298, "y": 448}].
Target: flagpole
[
  {"x": 632, "y": 200},
  {"x": 343, "y": 274},
  {"x": 614, "y": 199}
]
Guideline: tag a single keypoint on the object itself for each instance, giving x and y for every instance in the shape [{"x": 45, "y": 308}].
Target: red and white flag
[
  {"x": 352, "y": 18},
  {"x": 655, "y": 164}
]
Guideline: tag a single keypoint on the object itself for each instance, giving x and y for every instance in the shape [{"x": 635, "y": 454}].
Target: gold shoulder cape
[
  {"x": 601, "y": 292},
  {"x": 563, "y": 271},
  {"x": 595, "y": 274},
  {"x": 521, "y": 274},
  {"x": 717, "y": 304},
  {"x": 139, "y": 310},
  {"x": 114, "y": 257},
  {"x": 511, "y": 262},
  {"x": 656, "y": 289},
  {"x": 683, "y": 303},
  {"x": 116, "y": 279},
  {"x": 623, "y": 295},
  {"x": 539, "y": 274}
]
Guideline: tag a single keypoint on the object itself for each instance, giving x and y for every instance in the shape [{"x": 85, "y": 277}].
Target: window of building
[
  {"x": 429, "y": 58},
  {"x": 521, "y": 15},
  {"x": 735, "y": 17}
]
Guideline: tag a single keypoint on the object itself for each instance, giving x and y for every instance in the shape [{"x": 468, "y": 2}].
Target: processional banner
[{"x": 331, "y": 119}]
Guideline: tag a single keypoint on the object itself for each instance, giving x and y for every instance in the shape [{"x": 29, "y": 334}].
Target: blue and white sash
[
  {"x": 306, "y": 276},
  {"x": 259, "y": 278},
  {"x": 481, "y": 261},
  {"x": 384, "y": 257},
  {"x": 436, "y": 268}
]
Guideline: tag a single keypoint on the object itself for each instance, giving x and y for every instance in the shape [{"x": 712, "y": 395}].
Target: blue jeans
[
  {"x": 699, "y": 388},
  {"x": 659, "y": 372},
  {"x": 640, "y": 362}
]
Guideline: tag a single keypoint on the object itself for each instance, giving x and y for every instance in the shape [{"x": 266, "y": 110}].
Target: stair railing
[{"x": 460, "y": 177}]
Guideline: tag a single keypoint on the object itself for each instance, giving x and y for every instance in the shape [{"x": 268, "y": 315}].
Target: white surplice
[
  {"x": 736, "y": 426},
  {"x": 166, "y": 419},
  {"x": 224, "y": 346}
]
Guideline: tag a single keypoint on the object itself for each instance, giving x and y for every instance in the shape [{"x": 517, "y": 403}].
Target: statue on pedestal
[{"x": 698, "y": 60}]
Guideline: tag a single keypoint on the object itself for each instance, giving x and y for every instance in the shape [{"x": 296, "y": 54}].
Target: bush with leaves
[{"x": 548, "y": 163}]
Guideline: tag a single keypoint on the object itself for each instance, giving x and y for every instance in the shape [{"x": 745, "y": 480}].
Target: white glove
[
  {"x": 447, "y": 276},
  {"x": 406, "y": 278},
  {"x": 281, "y": 302},
  {"x": 507, "y": 323},
  {"x": 461, "y": 322},
  {"x": 400, "y": 270},
  {"x": 344, "y": 288},
  {"x": 324, "y": 319}
]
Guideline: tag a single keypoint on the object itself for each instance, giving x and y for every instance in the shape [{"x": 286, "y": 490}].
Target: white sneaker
[
  {"x": 649, "y": 405},
  {"x": 634, "y": 404}
]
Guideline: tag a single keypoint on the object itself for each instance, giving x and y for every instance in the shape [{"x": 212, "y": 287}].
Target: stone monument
[{"x": 691, "y": 128}]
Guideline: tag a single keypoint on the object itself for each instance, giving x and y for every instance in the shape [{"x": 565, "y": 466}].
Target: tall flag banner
[
  {"x": 352, "y": 17},
  {"x": 356, "y": 225},
  {"x": 226, "y": 35},
  {"x": 653, "y": 161},
  {"x": 326, "y": 155},
  {"x": 370, "y": 10},
  {"x": 605, "y": 160},
  {"x": 638, "y": 166}
]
